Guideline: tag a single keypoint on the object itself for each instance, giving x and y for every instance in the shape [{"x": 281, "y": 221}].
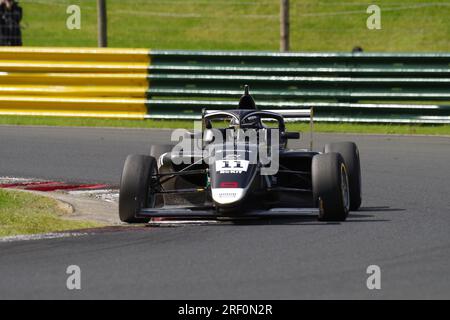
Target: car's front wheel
[
  {"x": 330, "y": 186},
  {"x": 137, "y": 187}
]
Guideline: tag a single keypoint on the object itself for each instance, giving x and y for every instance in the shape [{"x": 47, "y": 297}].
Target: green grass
[
  {"x": 316, "y": 25},
  {"x": 24, "y": 213},
  {"x": 174, "y": 124}
]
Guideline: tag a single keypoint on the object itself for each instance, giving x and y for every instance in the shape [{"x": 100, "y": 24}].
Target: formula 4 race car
[{"x": 239, "y": 165}]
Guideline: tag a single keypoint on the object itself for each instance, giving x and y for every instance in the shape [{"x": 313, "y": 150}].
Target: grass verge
[
  {"x": 24, "y": 213},
  {"x": 174, "y": 124},
  {"x": 316, "y": 25}
]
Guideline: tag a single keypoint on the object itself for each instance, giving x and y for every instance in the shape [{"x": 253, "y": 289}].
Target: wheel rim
[{"x": 344, "y": 188}]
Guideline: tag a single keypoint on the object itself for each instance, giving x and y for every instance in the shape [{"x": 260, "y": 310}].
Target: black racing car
[{"x": 239, "y": 165}]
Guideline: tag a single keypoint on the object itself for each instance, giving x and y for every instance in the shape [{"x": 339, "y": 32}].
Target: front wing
[{"x": 210, "y": 212}]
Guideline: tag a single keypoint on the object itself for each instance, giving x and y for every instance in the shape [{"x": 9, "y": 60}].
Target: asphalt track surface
[{"x": 403, "y": 227}]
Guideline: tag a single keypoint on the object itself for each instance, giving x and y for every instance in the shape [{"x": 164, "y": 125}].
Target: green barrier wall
[{"x": 361, "y": 87}]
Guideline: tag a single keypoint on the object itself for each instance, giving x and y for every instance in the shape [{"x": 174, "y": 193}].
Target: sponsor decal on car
[
  {"x": 227, "y": 195},
  {"x": 232, "y": 166}
]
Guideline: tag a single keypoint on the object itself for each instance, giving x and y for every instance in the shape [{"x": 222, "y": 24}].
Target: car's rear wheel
[
  {"x": 157, "y": 150},
  {"x": 349, "y": 151},
  {"x": 137, "y": 187},
  {"x": 330, "y": 186}
]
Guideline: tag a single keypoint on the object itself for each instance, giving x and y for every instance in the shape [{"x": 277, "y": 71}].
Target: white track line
[
  {"x": 93, "y": 191},
  {"x": 17, "y": 180},
  {"x": 44, "y": 236},
  {"x": 176, "y": 223}
]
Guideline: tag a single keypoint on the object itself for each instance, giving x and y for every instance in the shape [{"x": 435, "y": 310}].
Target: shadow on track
[
  {"x": 379, "y": 209},
  {"x": 360, "y": 216}
]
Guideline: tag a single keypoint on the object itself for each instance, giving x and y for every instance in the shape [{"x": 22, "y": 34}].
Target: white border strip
[{"x": 44, "y": 236}]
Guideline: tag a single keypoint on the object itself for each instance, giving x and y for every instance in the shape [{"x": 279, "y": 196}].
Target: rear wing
[{"x": 290, "y": 115}]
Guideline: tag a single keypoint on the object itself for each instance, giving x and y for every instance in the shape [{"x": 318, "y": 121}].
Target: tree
[
  {"x": 284, "y": 25},
  {"x": 102, "y": 23}
]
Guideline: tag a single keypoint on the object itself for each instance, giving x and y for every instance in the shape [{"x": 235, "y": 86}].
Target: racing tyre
[
  {"x": 330, "y": 186},
  {"x": 349, "y": 151},
  {"x": 136, "y": 190}
]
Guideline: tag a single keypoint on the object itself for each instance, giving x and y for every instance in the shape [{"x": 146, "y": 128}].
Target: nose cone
[{"x": 232, "y": 172}]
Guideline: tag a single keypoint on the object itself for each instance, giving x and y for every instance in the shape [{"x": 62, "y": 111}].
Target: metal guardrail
[
  {"x": 138, "y": 83},
  {"x": 350, "y": 87},
  {"x": 78, "y": 82}
]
